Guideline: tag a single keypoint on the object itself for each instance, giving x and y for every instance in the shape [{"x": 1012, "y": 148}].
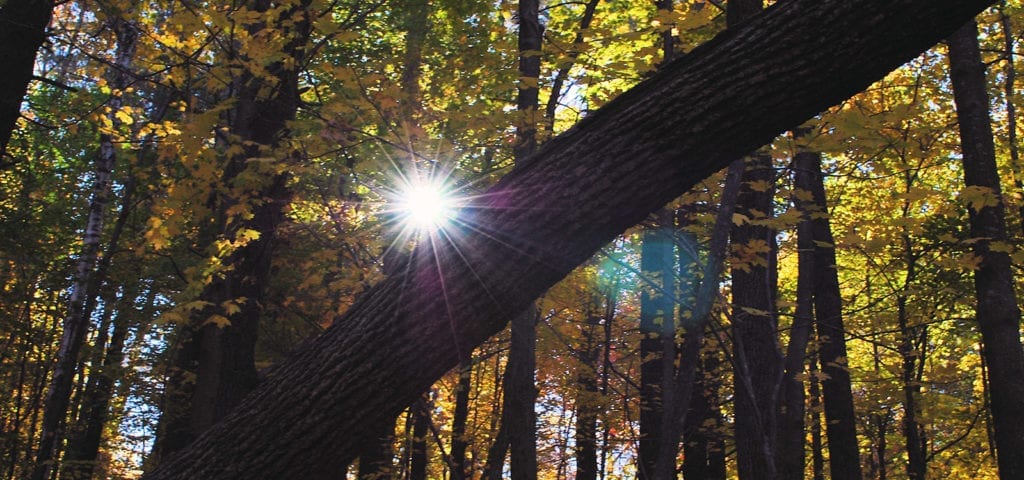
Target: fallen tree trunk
[{"x": 551, "y": 213}]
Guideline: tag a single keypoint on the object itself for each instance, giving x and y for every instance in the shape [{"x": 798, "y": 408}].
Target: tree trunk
[
  {"x": 83, "y": 448},
  {"x": 755, "y": 325},
  {"x": 657, "y": 327},
  {"x": 86, "y": 281},
  {"x": 588, "y": 401},
  {"x": 758, "y": 360},
  {"x": 791, "y": 459},
  {"x": 520, "y": 391},
  {"x": 836, "y": 389},
  {"x": 460, "y": 440},
  {"x": 817, "y": 457},
  {"x": 552, "y": 212},
  {"x": 213, "y": 366},
  {"x": 997, "y": 311},
  {"x": 563, "y": 72},
  {"x": 657, "y": 314},
  {"x": 1009, "y": 93},
  {"x": 696, "y": 317},
  {"x": 910, "y": 357},
  {"x": 418, "y": 459},
  {"x": 521, "y": 395},
  {"x": 22, "y": 31},
  {"x": 377, "y": 456}
]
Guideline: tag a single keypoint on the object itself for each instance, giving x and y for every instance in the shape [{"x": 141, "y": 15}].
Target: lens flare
[{"x": 427, "y": 207}]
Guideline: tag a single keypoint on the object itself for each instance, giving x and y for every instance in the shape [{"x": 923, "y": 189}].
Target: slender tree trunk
[
  {"x": 22, "y": 31},
  {"x": 791, "y": 458},
  {"x": 552, "y": 212},
  {"x": 916, "y": 466},
  {"x": 657, "y": 327},
  {"x": 520, "y": 391},
  {"x": 588, "y": 402},
  {"x": 1010, "y": 94},
  {"x": 520, "y": 397},
  {"x": 563, "y": 72},
  {"x": 997, "y": 311},
  {"x": 418, "y": 458},
  {"x": 881, "y": 424},
  {"x": 496, "y": 453},
  {"x": 817, "y": 457},
  {"x": 755, "y": 327},
  {"x": 837, "y": 392},
  {"x": 460, "y": 441},
  {"x": 80, "y": 459},
  {"x": 696, "y": 318},
  {"x": 86, "y": 281},
  {"x": 84, "y": 440},
  {"x": 214, "y": 366}
]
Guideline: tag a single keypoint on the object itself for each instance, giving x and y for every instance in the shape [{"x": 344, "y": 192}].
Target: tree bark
[
  {"x": 657, "y": 314},
  {"x": 997, "y": 309},
  {"x": 588, "y": 401},
  {"x": 758, "y": 360},
  {"x": 79, "y": 462},
  {"x": 459, "y": 439},
  {"x": 791, "y": 460},
  {"x": 817, "y": 456},
  {"x": 418, "y": 459},
  {"x": 552, "y": 212},
  {"x": 377, "y": 456},
  {"x": 87, "y": 274},
  {"x": 22, "y": 31},
  {"x": 836, "y": 388},
  {"x": 657, "y": 344},
  {"x": 214, "y": 365},
  {"x": 520, "y": 390}
]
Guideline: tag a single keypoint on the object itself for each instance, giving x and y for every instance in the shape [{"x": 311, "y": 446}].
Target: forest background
[{"x": 191, "y": 189}]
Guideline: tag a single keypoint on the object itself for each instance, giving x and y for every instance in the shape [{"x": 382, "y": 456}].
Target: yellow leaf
[
  {"x": 230, "y": 307},
  {"x": 125, "y": 116},
  {"x": 196, "y": 305},
  {"x": 219, "y": 320}
]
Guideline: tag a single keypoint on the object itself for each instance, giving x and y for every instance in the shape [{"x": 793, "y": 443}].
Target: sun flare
[{"x": 427, "y": 207}]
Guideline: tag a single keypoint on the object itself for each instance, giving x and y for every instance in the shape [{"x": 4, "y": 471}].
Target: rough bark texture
[
  {"x": 997, "y": 311},
  {"x": 552, "y": 212},
  {"x": 836, "y": 389},
  {"x": 86, "y": 281},
  {"x": 758, "y": 360},
  {"x": 22, "y": 31},
  {"x": 214, "y": 367}
]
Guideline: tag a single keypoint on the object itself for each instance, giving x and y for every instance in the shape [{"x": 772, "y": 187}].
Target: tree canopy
[{"x": 259, "y": 237}]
